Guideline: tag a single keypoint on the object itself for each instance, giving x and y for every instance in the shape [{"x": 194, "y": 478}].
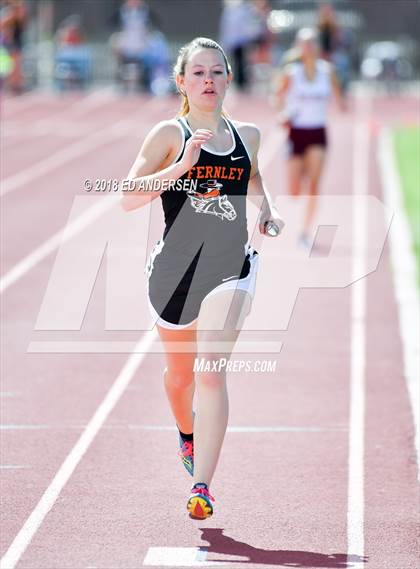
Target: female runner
[
  {"x": 304, "y": 91},
  {"x": 202, "y": 272}
]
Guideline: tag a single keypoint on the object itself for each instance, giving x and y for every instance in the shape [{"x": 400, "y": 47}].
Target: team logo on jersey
[{"x": 208, "y": 200}]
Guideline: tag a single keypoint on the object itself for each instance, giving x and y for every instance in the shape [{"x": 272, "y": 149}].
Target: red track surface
[{"x": 281, "y": 496}]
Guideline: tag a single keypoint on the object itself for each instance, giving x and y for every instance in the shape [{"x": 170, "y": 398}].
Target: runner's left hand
[{"x": 270, "y": 215}]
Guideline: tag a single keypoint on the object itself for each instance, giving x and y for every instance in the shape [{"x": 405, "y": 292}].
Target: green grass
[{"x": 407, "y": 148}]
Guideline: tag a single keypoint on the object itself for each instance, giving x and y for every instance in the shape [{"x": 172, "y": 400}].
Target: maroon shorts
[{"x": 300, "y": 139}]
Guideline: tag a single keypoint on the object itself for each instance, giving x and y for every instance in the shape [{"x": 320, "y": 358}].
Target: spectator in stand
[
  {"x": 132, "y": 45},
  {"x": 337, "y": 44},
  {"x": 157, "y": 58},
  {"x": 263, "y": 36},
  {"x": 73, "y": 57},
  {"x": 238, "y": 29},
  {"x": 13, "y": 18},
  {"x": 70, "y": 32},
  {"x": 328, "y": 31},
  {"x": 342, "y": 57}
]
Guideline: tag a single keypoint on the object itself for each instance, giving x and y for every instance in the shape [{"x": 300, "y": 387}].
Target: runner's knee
[
  {"x": 178, "y": 378},
  {"x": 313, "y": 188},
  {"x": 294, "y": 188},
  {"x": 214, "y": 380}
]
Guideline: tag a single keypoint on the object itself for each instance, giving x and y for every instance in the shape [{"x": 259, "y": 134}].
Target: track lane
[
  {"x": 392, "y": 492},
  {"x": 288, "y": 409},
  {"x": 55, "y": 380},
  {"x": 303, "y": 519}
]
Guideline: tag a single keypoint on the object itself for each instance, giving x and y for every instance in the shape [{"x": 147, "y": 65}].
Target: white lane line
[
  {"x": 355, "y": 503},
  {"x": 49, "y": 246},
  {"x": 61, "y": 157},
  {"x": 72, "y": 151},
  {"x": 257, "y": 430},
  {"x": 404, "y": 276},
  {"x": 16, "y": 132},
  {"x": 285, "y": 429},
  {"x": 17, "y": 135},
  {"x": 94, "y": 99},
  {"x": 249, "y": 429},
  {"x": 30, "y": 527},
  {"x": 12, "y": 466},
  {"x": 16, "y": 105},
  {"x": 183, "y": 557},
  {"x": 76, "y": 108},
  {"x": 123, "y": 347},
  {"x": 52, "y": 243},
  {"x": 16, "y": 427}
]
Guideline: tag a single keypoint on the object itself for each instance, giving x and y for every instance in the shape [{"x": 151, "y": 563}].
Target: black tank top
[{"x": 213, "y": 214}]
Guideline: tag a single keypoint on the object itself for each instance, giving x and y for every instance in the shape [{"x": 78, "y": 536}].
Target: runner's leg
[
  {"x": 295, "y": 173},
  {"x": 214, "y": 329},
  {"x": 179, "y": 374},
  {"x": 314, "y": 159}
]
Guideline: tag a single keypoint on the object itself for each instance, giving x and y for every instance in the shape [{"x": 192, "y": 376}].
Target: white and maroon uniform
[{"x": 307, "y": 106}]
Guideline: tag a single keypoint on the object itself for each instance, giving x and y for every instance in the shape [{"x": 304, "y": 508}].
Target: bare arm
[
  {"x": 257, "y": 191},
  {"x": 283, "y": 87},
  {"x": 160, "y": 145}
]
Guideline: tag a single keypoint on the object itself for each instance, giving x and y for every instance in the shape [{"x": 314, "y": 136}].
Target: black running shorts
[{"x": 177, "y": 286}]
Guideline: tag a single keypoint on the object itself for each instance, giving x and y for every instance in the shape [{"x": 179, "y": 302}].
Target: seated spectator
[
  {"x": 73, "y": 57},
  {"x": 13, "y": 18},
  {"x": 132, "y": 44}
]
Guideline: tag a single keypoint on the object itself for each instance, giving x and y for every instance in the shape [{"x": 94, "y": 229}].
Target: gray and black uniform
[{"x": 204, "y": 248}]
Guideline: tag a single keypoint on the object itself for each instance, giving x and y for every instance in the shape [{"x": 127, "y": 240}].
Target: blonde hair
[
  {"x": 294, "y": 54},
  {"x": 183, "y": 57},
  {"x": 306, "y": 34}
]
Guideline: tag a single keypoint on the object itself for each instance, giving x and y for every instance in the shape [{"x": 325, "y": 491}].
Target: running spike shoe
[
  {"x": 186, "y": 452},
  {"x": 200, "y": 502}
]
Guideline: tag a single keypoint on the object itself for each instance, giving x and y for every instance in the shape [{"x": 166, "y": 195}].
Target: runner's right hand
[{"x": 193, "y": 147}]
